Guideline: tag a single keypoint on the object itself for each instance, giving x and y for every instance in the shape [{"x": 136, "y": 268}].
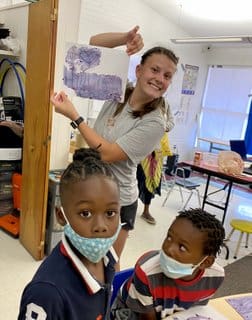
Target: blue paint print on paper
[
  {"x": 196, "y": 317},
  {"x": 79, "y": 60},
  {"x": 243, "y": 305},
  {"x": 205, "y": 312}
]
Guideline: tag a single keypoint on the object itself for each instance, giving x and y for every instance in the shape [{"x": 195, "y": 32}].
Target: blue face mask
[
  {"x": 174, "y": 269},
  {"x": 94, "y": 249}
]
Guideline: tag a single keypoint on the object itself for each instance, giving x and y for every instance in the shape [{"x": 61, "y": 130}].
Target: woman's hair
[
  {"x": 160, "y": 50},
  {"x": 159, "y": 102},
  {"x": 86, "y": 162},
  {"x": 207, "y": 223}
]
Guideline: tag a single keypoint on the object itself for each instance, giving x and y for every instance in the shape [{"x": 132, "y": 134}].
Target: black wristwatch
[{"x": 75, "y": 124}]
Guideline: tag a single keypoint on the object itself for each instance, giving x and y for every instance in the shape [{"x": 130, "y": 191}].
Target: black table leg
[
  {"x": 227, "y": 201},
  {"x": 206, "y": 191},
  {"x": 230, "y": 184}
]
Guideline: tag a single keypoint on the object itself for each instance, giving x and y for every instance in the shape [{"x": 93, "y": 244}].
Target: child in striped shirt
[{"x": 180, "y": 275}]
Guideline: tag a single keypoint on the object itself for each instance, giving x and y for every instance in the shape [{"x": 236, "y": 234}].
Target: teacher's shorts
[{"x": 128, "y": 216}]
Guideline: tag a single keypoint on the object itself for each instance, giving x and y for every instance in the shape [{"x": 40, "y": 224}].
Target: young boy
[
  {"x": 74, "y": 281},
  {"x": 180, "y": 275}
]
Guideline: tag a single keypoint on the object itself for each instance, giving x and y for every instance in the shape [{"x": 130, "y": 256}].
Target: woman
[
  {"x": 124, "y": 133},
  {"x": 149, "y": 171}
]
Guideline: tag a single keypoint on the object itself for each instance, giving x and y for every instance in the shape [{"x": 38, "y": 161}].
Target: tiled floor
[{"x": 17, "y": 266}]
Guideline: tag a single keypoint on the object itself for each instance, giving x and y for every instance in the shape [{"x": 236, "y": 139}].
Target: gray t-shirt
[{"x": 137, "y": 137}]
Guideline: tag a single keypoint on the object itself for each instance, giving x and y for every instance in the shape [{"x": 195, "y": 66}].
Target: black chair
[
  {"x": 239, "y": 147},
  {"x": 182, "y": 179}
]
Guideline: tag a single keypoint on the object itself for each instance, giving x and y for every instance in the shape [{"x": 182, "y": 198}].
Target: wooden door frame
[{"x": 41, "y": 48}]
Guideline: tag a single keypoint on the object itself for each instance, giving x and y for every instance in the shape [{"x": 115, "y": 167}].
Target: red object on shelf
[
  {"x": 10, "y": 224},
  {"x": 16, "y": 190}
]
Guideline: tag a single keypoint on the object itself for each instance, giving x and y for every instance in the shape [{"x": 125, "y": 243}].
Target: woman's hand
[
  {"x": 134, "y": 41},
  {"x": 63, "y": 105}
]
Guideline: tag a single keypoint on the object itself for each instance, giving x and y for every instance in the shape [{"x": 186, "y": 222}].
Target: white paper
[{"x": 198, "y": 313}]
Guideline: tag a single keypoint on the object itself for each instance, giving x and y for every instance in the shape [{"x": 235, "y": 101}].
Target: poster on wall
[
  {"x": 183, "y": 112},
  {"x": 189, "y": 83},
  {"x": 190, "y": 79},
  {"x": 96, "y": 72}
]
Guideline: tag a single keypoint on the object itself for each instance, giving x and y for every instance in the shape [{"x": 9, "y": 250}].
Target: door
[{"x": 42, "y": 28}]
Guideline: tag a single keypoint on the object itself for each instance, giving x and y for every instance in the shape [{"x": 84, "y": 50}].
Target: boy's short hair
[
  {"x": 207, "y": 223},
  {"x": 86, "y": 162}
]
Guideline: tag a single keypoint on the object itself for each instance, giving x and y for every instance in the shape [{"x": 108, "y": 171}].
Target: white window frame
[{"x": 219, "y": 114}]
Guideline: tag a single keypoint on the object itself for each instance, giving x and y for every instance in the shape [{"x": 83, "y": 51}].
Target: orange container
[
  {"x": 197, "y": 157},
  {"x": 16, "y": 190}
]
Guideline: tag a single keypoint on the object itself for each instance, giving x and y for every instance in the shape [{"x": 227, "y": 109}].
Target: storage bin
[
  {"x": 5, "y": 190},
  {"x": 6, "y": 206},
  {"x": 5, "y": 175}
]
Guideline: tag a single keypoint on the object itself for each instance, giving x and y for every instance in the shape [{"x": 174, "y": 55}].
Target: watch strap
[{"x": 75, "y": 124}]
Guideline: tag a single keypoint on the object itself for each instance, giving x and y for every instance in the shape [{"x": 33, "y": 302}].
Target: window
[{"x": 225, "y": 104}]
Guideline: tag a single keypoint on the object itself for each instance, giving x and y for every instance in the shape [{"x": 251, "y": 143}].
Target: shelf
[{"x": 7, "y": 53}]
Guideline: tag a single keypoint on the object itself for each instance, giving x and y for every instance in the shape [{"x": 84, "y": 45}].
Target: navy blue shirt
[{"x": 63, "y": 288}]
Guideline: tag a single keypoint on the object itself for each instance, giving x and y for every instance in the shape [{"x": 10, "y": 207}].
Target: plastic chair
[
  {"x": 244, "y": 226},
  {"x": 119, "y": 279},
  {"x": 183, "y": 181}
]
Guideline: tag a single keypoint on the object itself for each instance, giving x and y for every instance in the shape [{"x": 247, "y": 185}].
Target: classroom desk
[
  {"x": 213, "y": 142},
  {"x": 213, "y": 171},
  {"x": 218, "y": 304}
]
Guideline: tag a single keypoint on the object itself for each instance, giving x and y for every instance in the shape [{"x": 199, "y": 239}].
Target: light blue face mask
[
  {"x": 174, "y": 269},
  {"x": 94, "y": 249}
]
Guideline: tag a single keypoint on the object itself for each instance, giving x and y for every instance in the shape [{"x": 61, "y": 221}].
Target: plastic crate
[
  {"x": 9, "y": 166},
  {"x": 6, "y": 175},
  {"x": 6, "y": 190},
  {"x": 6, "y": 206}
]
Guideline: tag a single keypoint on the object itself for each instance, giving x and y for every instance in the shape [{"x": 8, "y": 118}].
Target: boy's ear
[
  {"x": 60, "y": 217},
  {"x": 207, "y": 262}
]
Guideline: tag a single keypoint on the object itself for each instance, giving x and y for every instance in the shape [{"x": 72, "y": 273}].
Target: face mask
[
  {"x": 94, "y": 249},
  {"x": 174, "y": 269}
]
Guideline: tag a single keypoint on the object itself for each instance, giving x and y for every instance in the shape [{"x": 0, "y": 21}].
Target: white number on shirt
[{"x": 35, "y": 312}]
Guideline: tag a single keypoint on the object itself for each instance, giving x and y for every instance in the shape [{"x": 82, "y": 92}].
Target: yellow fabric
[
  {"x": 152, "y": 167},
  {"x": 165, "y": 145}
]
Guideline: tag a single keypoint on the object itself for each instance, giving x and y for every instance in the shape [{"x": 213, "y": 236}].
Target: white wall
[
  {"x": 68, "y": 26},
  {"x": 235, "y": 56}
]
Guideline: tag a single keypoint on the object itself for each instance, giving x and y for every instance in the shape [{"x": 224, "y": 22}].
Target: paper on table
[
  {"x": 198, "y": 313},
  {"x": 242, "y": 305}
]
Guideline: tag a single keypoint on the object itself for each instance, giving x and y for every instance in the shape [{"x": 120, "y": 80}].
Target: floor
[{"x": 17, "y": 266}]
